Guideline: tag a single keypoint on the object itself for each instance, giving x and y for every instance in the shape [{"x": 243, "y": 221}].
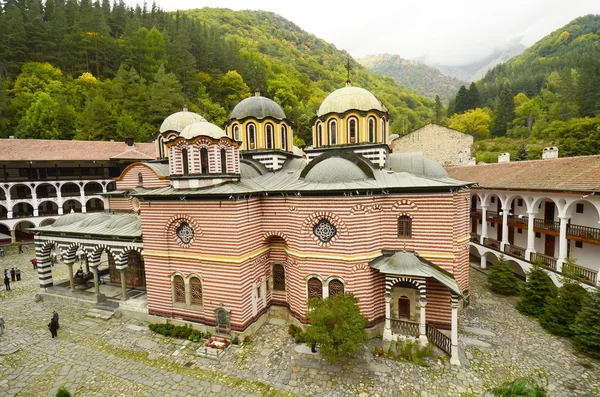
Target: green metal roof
[
  {"x": 258, "y": 107},
  {"x": 98, "y": 224},
  {"x": 409, "y": 263}
]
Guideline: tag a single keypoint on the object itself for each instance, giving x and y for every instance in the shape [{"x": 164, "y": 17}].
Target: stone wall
[{"x": 443, "y": 145}]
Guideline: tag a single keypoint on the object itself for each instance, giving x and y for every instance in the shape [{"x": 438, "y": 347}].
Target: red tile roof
[
  {"x": 57, "y": 150},
  {"x": 565, "y": 174}
]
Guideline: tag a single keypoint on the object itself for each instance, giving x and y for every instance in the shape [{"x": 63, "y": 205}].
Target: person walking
[
  {"x": 55, "y": 318},
  {"x": 53, "y": 326},
  {"x": 7, "y": 281},
  {"x": 18, "y": 274},
  {"x": 1, "y": 251},
  {"x": 12, "y": 274},
  {"x": 2, "y": 325},
  {"x": 34, "y": 263},
  {"x": 27, "y": 248},
  {"x": 20, "y": 248}
]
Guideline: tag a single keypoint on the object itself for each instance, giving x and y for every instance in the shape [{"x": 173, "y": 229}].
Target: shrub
[
  {"x": 525, "y": 387},
  {"x": 501, "y": 278},
  {"x": 538, "y": 287},
  {"x": 247, "y": 340},
  {"x": 561, "y": 310},
  {"x": 62, "y": 392},
  {"x": 236, "y": 341},
  {"x": 586, "y": 329}
]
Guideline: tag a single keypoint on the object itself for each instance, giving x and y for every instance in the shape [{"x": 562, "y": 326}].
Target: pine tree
[
  {"x": 521, "y": 152},
  {"x": 504, "y": 112},
  {"x": 439, "y": 110},
  {"x": 462, "y": 100},
  {"x": 473, "y": 97},
  {"x": 561, "y": 310},
  {"x": 586, "y": 329},
  {"x": 501, "y": 278},
  {"x": 538, "y": 287}
]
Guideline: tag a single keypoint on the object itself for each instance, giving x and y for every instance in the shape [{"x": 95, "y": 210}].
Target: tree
[
  {"x": 561, "y": 310},
  {"x": 439, "y": 110},
  {"x": 461, "y": 104},
  {"x": 473, "y": 96},
  {"x": 521, "y": 153},
  {"x": 538, "y": 287},
  {"x": 504, "y": 112},
  {"x": 586, "y": 329},
  {"x": 336, "y": 326},
  {"x": 473, "y": 122},
  {"x": 501, "y": 278}
]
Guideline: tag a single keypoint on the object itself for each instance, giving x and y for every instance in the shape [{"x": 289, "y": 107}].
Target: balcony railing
[
  {"x": 545, "y": 260},
  {"x": 493, "y": 216},
  {"x": 514, "y": 251},
  {"x": 583, "y": 232},
  {"x": 584, "y": 275},
  {"x": 402, "y": 327},
  {"x": 475, "y": 237},
  {"x": 546, "y": 225},
  {"x": 475, "y": 213},
  {"x": 518, "y": 219},
  {"x": 490, "y": 242}
]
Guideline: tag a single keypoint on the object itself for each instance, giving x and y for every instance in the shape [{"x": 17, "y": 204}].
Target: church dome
[
  {"x": 258, "y": 107},
  {"x": 202, "y": 128},
  {"x": 178, "y": 121},
  {"x": 350, "y": 98},
  {"x": 415, "y": 163},
  {"x": 335, "y": 169},
  {"x": 69, "y": 219}
]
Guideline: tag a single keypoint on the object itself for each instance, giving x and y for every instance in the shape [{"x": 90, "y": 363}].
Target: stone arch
[
  {"x": 47, "y": 207},
  {"x": 70, "y": 251},
  {"x": 46, "y": 192},
  {"x": 335, "y": 280},
  {"x": 22, "y": 209},
  {"x": 174, "y": 222},
  {"x": 311, "y": 220},
  {"x": 97, "y": 250},
  {"x": 70, "y": 189},
  {"x": 94, "y": 205},
  {"x": 72, "y": 204},
  {"x": 121, "y": 259},
  {"x": 91, "y": 188},
  {"x": 537, "y": 202},
  {"x": 359, "y": 267},
  {"x": 568, "y": 210},
  {"x": 516, "y": 268},
  {"x": 16, "y": 193},
  {"x": 21, "y": 231},
  {"x": 419, "y": 284},
  {"x": 3, "y": 212},
  {"x": 269, "y": 235},
  {"x": 404, "y": 205}
]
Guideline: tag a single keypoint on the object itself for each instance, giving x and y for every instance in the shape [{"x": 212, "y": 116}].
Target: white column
[
  {"x": 484, "y": 230},
  {"x": 59, "y": 199},
  {"x": 71, "y": 279},
  {"x": 422, "y": 326},
  {"x": 387, "y": 332},
  {"x": 98, "y": 297},
  {"x": 504, "y": 241},
  {"x": 34, "y": 202},
  {"x": 562, "y": 242},
  {"x": 454, "y": 349},
  {"x": 530, "y": 235},
  {"x": 484, "y": 261},
  {"x": 123, "y": 285}
]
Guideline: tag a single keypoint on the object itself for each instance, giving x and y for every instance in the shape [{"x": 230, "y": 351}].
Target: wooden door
[
  {"x": 404, "y": 307},
  {"x": 511, "y": 235},
  {"x": 549, "y": 245},
  {"x": 474, "y": 223}
]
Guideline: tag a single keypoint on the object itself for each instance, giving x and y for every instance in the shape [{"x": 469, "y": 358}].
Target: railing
[
  {"x": 439, "y": 339},
  {"x": 475, "y": 213},
  {"x": 475, "y": 237},
  {"x": 514, "y": 251},
  {"x": 401, "y": 327},
  {"x": 518, "y": 219},
  {"x": 546, "y": 225},
  {"x": 584, "y": 275},
  {"x": 548, "y": 261},
  {"x": 494, "y": 216},
  {"x": 490, "y": 242},
  {"x": 583, "y": 232}
]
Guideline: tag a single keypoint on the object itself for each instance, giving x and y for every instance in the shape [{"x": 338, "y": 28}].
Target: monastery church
[{"x": 227, "y": 227}]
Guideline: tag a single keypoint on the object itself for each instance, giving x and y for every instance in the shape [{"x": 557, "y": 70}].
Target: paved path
[{"x": 119, "y": 357}]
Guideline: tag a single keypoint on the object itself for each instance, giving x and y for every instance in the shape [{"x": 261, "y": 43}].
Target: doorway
[{"x": 403, "y": 307}]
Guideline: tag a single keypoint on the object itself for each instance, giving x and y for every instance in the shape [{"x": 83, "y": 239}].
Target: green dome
[
  {"x": 335, "y": 169},
  {"x": 416, "y": 164},
  {"x": 258, "y": 107},
  {"x": 178, "y": 121},
  {"x": 202, "y": 128},
  {"x": 350, "y": 98},
  {"x": 68, "y": 219}
]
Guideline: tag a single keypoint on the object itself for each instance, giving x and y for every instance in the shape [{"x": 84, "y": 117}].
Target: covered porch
[{"x": 407, "y": 277}]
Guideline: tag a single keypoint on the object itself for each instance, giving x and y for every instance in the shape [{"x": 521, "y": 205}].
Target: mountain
[{"x": 417, "y": 76}]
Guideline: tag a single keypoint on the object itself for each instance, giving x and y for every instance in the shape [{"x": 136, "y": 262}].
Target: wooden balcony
[
  {"x": 475, "y": 213},
  {"x": 584, "y": 234},
  {"x": 544, "y": 260},
  {"x": 491, "y": 243},
  {"x": 518, "y": 221},
  {"x": 514, "y": 250},
  {"x": 493, "y": 216},
  {"x": 584, "y": 275},
  {"x": 475, "y": 238}
]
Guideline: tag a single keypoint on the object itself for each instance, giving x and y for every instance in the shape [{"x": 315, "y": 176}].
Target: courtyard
[{"x": 93, "y": 356}]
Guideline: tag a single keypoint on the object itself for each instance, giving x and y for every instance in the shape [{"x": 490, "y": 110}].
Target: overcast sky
[{"x": 443, "y": 31}]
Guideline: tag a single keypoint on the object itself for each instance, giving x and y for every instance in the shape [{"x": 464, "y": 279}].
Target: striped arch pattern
[
  {"x": 172, "y": 225},
  {"x": 405, "y": 205},
  {"x": 94, "y": 257},
  {"x": 44, "y": 264},
  {"x": 315, "y": 217},
  {"x": 390, "y": 282},
  {"x": 275, "y": 234},
  {"x": 121, "y": 259}
]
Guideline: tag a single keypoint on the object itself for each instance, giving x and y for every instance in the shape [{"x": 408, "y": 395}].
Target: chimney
[
  {"x": 550, "y": 153},
  {"x": 256, "y": 92},
  {"x": 504, "y": 158},
  {"x": 129, "y": 140}
]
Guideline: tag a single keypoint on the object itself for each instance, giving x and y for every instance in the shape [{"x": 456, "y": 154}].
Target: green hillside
[
  {"x": 549, "y": 94},
  {"x": 416, "y": 76},
  {"x": 86, "y": 70}
]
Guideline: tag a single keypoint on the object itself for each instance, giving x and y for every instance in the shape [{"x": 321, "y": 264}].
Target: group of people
[{"x": 15, "y": 275}]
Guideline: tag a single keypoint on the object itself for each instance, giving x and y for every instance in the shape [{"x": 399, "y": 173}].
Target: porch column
[
  {"x": 123, "y": 285},
  {"x": 484, "y": 230},
  {"x": 13, "y": 236},
  {"x": 562, "y": 242},
  {"x": 484, "y": 261},
  {"x": 98, "y": 297},
  {"x": 505, "y": 212},
  {"x": 422, "y": 326},
  {"x": 387, "y": 332},
  {"x": 454, "y": 348},
  {"x": 530, "y": 235},
  {"x": 71, "y": 279}
]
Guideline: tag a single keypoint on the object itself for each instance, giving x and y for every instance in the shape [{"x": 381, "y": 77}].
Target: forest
[
  {"x": 77, "y": 69},
  {"x": 547, "y": 96}
]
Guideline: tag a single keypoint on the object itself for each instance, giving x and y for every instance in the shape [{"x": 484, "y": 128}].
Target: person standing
[
  {"x": 18, "y": 274},
  {"x": 1, "y": 251},
  {"x": 55, "y": 318},
  {"x": 20, "y": 248},
  {"x": 12, "y": 274},
  {"x": 7, "y": 281},
  {"x": 53, "y": 326},
  {"x": 54, "y": 258},
  {"x": 1, "y": 325},
  {"x": 34, "y": 263},
  {"x": 27, "y": 248}
]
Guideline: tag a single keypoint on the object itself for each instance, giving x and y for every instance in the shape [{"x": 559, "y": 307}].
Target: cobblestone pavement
[{"x": 122, "y": 357}]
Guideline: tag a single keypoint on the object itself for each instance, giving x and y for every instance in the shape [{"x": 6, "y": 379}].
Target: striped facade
[{"x": 141, "y": 175}]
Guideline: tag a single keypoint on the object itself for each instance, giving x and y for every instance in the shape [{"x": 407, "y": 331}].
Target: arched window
[
  {"x": 204, "y": 161},
  {"x": 319, "y": 135},
  {"x": 184, "y": 161},
  {"x": 383, "y": 140},
  {"x": 315, "y": 288},
  {"x": 140, "y": 178},
  {"x": 352, "y": 130},
  {"x": 284, "y": 144},
  {"x": 336, "y": 287},
  {"x": 269, "y": 136},
  {"x": 178, "y": 289},
  {"x": 278, "y": 277},
  {"x": 236, "y": 133},
  {"x": 333, "y": 132},
  {"x": 404, "y": 226},
  {"x": 251, "y": 136},
  {"x": 195, "y": 291},
  {"x": 372, "y": 129},
  {"x": 223, "y": 161}
]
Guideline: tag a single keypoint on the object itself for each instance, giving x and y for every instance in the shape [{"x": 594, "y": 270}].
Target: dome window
[
  {"x": 319, "y": 135},
  {"x": 269, "y": 136},
  {"x": 184, "y": 161},
  {"x": 251, "y": 136},
  {"x": 140, "y": 179},
  {"x": 204, "y": 161},
  {"x": 333, "y": 132},
  {"x": 383, "y": 131},
  {"x": 372, "y": 129},
  {"x": 236, "y": 133},
  {"x": 223, "y": 161},
  {"x": 352, "y": 130},
  {"x": 284, "y": 144}
]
